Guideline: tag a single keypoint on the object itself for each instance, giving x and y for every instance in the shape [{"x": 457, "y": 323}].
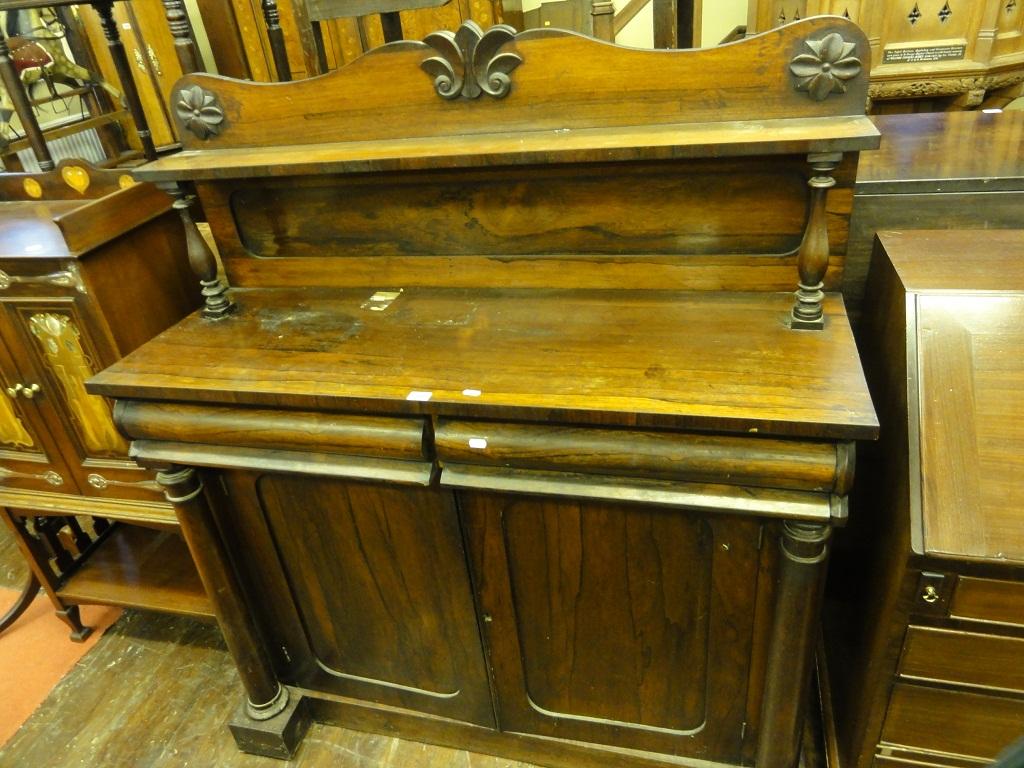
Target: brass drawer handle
[
  {"x": 99, "y": 482},
  {"x": 20, "y": 389},
  {"x": 49, "y": 476},
  {"x": 930, "y": 594},
  {"x": 67, "y": 278}
]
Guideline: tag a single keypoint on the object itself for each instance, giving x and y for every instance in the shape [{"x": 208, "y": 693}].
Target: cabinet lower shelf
[{"x": 140, "y": 567}]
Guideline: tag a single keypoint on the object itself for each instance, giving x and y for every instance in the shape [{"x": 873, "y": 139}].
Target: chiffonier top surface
[
  {"x": 602, "y": 357},
  {"x": 968, "y": 151},
  {"x": 966, "y": 289}
]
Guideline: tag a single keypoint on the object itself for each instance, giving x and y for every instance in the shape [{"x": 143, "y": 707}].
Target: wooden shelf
[
  {"x": 140, "y": 567},
  {"x": 604, "y": 144}
]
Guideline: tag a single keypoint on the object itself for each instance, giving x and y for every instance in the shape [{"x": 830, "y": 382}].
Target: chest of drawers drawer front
[
  {"x": 970, "y": 724},
  {"x": 966, "y": 658},
  {"x": 988, "y": 600}
]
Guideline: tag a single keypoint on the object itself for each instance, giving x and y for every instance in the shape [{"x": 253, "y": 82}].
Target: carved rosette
[
  {"x": 468, "y": 63},
  {"x": 826, "y": 69},
  {"x": 199, "y": 111}
]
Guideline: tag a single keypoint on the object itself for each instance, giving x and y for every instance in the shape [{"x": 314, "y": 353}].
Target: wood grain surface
[
  {"x": 617, "y": 358},
  {"x": 566, "y": 82}
]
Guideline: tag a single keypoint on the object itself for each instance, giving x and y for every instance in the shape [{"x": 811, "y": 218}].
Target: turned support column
[
  {"x": 181, "y": 31},
  {"x": 272, "y": 17},
  {"x": 216, "y": 302},
  {"x": 797, "y": 607},
  {"x": 105, "y": 9},
  {"x": 812, "y": 260},
  {"x": 23, "y": 108},
  {"x": 183, "y": 487}
]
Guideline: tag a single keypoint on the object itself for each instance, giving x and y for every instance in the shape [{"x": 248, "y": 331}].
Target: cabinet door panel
[
  {"x": 29, "y": 458},
  {"x": 617, "y": 623},
  {"x": 379, "y": 577},
  {"x": 59, "y": 352}
]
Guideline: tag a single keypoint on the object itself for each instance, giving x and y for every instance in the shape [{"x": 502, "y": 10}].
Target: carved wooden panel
[
  {"x": 617, "y": 624},
  {"x": 378, "y": 575}
]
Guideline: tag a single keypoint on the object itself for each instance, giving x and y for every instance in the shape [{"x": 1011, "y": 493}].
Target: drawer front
[
  {"x": 988, "y": 600},
  {"x": 969, "y": 724},
  {"x": 967, "y": 658}
]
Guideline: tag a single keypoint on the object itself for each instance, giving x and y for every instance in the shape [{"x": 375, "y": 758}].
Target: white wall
[{"x": 720, "y": 17}]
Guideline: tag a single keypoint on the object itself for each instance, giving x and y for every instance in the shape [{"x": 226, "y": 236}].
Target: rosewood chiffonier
[
  {"x": 532, "y": 404},
  {"x": 92, "y": 264}
]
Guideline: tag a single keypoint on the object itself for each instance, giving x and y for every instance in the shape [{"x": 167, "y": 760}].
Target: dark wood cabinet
[
  {"x": 925, "y": 640},
  {"x": 92, "y": 264},
  {"x": 516, "y": 436}
]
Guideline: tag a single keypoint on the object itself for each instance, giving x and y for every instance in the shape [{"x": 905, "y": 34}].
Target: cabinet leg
[
  {"x": 71, "y": 616},
  {"x": 38, "y": 557},
  {"x": 28, "y": 594},
  {"x": 267, "y": 698},
  {"x": 788, "y": 677},
  {"x": 278, "y": 736}
]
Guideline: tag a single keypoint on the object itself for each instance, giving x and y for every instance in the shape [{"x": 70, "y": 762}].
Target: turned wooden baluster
[
  {"x": 791, "y": 648},
  {"x": 105, "y": 9},
  {"x": 183, "y": 488},
  {"x": 273, "y": 19},
  {"x": 181, "y": 31},
  {"x": 217, "y": 303},
  {"x": 812, "y": 261},
  {"x": 23, "y": 108}
]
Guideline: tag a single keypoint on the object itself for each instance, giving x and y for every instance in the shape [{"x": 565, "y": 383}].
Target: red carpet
[{"x": 36, "y": 653}]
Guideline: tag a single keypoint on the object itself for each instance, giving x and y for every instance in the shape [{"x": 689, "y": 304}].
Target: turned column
[
  {"x": 183, "y": 488},
  {"x": 23, "y": 107},
  {"x": 105, "y": 9},
  {"x": 812, "y": 260},
  {"x": 791, "y": 649},
  {"x": 181, "y": 31},
  {"x": 216, "y": 302},
  {"x": 276, "y": 35}
]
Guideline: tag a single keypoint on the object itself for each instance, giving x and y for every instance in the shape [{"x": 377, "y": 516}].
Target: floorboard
[{"x": 156, "y": 692}]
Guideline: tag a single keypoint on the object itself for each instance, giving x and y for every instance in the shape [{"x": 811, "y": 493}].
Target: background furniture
[
  {"x": 955, "y": 170},
  {"x": 91, "y": 265},
  {"x": 925, "y": 621},
  {"x": 528, "y": 446},
  {"x": 926, "y": 54}
]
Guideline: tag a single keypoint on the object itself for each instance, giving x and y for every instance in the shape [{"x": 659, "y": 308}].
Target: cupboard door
[
  {"x": 379, "y": 579},
  {"x": 29, "y": 458},
  {"x": 617, "y": 624},
  {"x": 57, "y": 345}
]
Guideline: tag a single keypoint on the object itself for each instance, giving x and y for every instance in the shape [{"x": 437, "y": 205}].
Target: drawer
[
  {"x": 967, "y": 658},
  {"x": 749, "y": 461},
  {"x": 969, "y": 724},
  {"x": 988, "y": 600}
]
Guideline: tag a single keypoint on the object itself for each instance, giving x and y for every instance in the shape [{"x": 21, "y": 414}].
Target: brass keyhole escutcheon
[{"x": 931, "y": 594}]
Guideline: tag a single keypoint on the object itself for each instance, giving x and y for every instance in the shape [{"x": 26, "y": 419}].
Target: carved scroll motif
[
  {"x": 468, "y": 62},
  {"x": 825, "y": 70},
  {"x": 63, "y": 354}
]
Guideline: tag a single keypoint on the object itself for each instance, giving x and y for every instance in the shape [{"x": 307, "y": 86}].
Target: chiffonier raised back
[{"x": 523, "y": 442}]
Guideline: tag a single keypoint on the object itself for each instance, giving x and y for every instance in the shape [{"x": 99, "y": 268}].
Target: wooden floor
[{"x": 156, "y": 692}]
